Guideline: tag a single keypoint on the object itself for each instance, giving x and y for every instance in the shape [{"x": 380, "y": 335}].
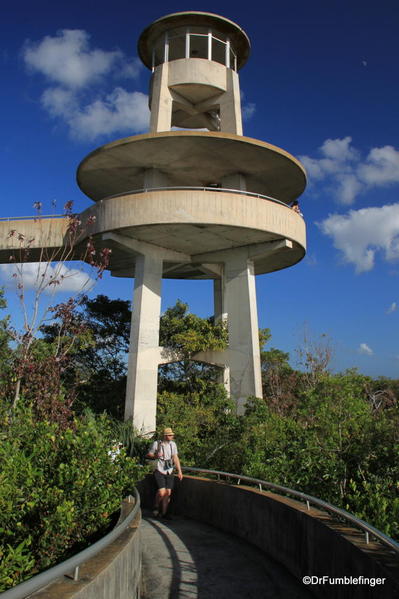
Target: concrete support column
[
  {"x": 161, "y": 100},
  {"x": 230, "y": 105},
  {"x": 234, "y": 181},
  {"x": 239, "y": 302},
  {"x": 218, "y": 300},
  {"x": 141, "y": 390},
  {"x": 220, "y": 316},
  {"x": 153, "y": 178}
]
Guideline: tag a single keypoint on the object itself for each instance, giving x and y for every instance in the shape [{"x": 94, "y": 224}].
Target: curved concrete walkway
[{"x": 185, "y": 559}]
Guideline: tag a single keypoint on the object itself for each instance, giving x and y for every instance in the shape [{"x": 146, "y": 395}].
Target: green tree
[
  {"x": 190, "y": 398},
  {"x": 206, "y": 427},
  {"x": 50, "y": 273},
  {"x": 96, "y": 371},
  {"x": 335, "y": 445},
  {"x": 185, "y": 334}
]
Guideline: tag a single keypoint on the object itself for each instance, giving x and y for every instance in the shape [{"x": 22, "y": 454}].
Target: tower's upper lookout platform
[
  {"x": 194, "y": 184},
  {"x": 194, "y": 35}
]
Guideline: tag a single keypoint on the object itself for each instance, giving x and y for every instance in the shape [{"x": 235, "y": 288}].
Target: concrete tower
[
  {"x": 194, "y": 204},
  {"x": 202, "y": 202}
]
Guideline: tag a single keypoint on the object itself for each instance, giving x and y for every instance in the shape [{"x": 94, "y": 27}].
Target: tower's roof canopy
[{"x": 238, "y": 37}]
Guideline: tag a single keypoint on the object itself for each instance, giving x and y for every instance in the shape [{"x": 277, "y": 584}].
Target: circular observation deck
[
  {"x": 198, "y": 224},
  {"x": 194, "y": 34},
  {"x": 176, "y": 190},
  {"x": 193, "y": 159}
]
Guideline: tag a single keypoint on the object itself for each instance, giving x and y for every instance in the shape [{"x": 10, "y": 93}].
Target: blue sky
[{"x": 321, "y": 83}]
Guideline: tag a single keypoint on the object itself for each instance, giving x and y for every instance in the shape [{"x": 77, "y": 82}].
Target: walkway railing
[
  {"x": 309, "y": 499},
  {"x": 32, "y": 217},
  {"x": 149, "y": 189},
  {"x": 72, "y": 564},
  {"x": 197, "y": 188}
]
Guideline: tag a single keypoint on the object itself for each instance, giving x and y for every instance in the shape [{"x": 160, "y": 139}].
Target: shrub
[
  {"x": 205, "y": 425},
  {"x": 58, "y": 487}
]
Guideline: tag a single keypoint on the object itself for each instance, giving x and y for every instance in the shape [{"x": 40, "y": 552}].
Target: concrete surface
[
  {"x": 243, "y": 352},
  {"x": 306, "y": 542},
  {"x": 142, "y": 377},
  {"x": 241, "y": 357},
  {"x": 113, "y": 573},
  {"x": 197, "y": 223},
  {"x": 48, "y": 234},
  {"x": 191, "y": 158},
  {"x": 188, "y": 92},
  {"x": 184, "y": 559}
]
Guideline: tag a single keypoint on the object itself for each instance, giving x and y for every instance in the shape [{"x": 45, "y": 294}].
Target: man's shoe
[
  {"x": 167, "y": 516},
  {"x": 155, "y": 513}
]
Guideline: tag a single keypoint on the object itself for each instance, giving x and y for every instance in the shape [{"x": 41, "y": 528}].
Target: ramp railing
[
  {"x": 368, "y": 529},
  {"x": 72, "y": 564}
]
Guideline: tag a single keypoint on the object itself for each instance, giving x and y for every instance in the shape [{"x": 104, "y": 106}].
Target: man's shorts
[{"x": 164, "y": 481}]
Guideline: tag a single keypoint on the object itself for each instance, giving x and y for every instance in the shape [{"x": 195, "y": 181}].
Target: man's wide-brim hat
[{"x": 168, "y": 431}]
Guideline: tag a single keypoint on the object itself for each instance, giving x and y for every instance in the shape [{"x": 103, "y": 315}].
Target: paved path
[{"x": 185, "y": 559}]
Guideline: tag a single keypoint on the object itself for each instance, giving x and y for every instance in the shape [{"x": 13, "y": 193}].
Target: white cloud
[
  {"x": 248, "y": 110},
  {"x": 365, "y": 349},
  {"x": 348, "y": 186},
  {"x": 120, "y": 111},
  {"x": 313, "y": 168},
  {"x": 337, "y": 167},
  {"x": 381, "y": 167},
  {"x": 129, "y": 69},
  {"x": 339, "y": 150},
  {"x": 344, "y": 172},
  {"x": 67, "y": 59},
  {"x": 59, "y": 102},
  {"x": 34, "y": 274},
  {"x": 392, "y": 308},
  {"x": 360, "y": 234},
  {"x": 74, "y": 69}
]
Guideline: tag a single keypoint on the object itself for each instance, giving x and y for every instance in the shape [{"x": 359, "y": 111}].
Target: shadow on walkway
[{"x": 187, "y": 559}]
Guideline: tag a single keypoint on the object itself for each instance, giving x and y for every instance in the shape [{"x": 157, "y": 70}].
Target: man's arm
[
  {"x": 153, "y": 453},
  {"x": 176, "y": 461}
]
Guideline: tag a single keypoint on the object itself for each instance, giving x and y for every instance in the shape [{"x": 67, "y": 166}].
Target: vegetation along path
[{"x": 185, "y": 559}]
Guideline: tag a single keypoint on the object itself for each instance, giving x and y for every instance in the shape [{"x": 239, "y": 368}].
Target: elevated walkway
[
  {"x": 186, "y": 559},
  {"x": 227, "y": 540}
]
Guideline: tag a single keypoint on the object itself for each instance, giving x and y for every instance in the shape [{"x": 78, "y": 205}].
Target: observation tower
[{"x": 194, "y": 199}]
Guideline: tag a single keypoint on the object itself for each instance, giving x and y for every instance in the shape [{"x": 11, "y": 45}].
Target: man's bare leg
[
  {"x": 158, "y": 501},
  {"x": 165, "y": 500}
]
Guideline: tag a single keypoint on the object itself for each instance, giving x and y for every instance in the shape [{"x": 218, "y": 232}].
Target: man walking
[{"x": 165, "y": 452}]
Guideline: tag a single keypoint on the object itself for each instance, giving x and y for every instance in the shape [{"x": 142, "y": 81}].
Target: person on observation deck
[
  {"x": 295, "y": 207},
  {"x": 165, "y": 454}
]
